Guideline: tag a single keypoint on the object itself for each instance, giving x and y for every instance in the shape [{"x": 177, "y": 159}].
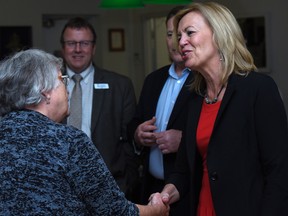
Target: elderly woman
[
  {"x": 48, "y": 168},
  {"x": 233, "y": 157}
]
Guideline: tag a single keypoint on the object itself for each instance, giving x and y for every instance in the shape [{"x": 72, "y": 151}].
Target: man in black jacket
[
  {"x": 160, "y": 118},
  {"x": 107, "y": 102}
]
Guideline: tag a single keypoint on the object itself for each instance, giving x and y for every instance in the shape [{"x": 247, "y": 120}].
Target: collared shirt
[
  {"x": 87, "y": 96},
  {"x": 164, "y": 108}
]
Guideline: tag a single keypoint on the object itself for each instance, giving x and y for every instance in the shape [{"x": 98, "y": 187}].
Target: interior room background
[{"x": 143, "y": 48}]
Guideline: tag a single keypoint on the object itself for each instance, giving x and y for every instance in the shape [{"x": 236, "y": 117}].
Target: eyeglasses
[
  {"x": 83, "y": 44},
  {"x": 65, "y": 79}
]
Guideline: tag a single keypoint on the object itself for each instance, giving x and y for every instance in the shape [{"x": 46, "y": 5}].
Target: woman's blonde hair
[{"x": 227, "y": 36}]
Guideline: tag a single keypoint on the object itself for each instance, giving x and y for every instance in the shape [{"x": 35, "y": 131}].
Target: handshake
[
  {"x": 158, "y": 205},
  {"x": 159, "y": 202},
  {"x": 159, "y": 198}
]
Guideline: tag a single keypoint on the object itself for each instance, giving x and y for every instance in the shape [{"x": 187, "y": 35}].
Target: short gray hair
[{"x": 24, "y": 77}]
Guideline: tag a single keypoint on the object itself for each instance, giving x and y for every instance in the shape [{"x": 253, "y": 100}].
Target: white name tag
[{"x": 101, "y": 86}]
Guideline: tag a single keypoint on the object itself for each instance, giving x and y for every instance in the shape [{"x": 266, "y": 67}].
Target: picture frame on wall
[
  {"x": 116, "y": 39},
  {"x": 14, "y": 39}
]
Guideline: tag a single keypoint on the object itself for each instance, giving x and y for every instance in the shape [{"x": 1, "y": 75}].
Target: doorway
[{"x": 155, "y": 49}]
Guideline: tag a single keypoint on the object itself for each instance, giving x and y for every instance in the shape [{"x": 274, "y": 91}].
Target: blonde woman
[{"x": 233, "y": 156}]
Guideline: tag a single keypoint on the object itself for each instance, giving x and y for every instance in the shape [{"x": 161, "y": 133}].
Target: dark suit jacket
[
  {"x": 112, "y": 109},
  {"x": 247, "y": 154},
  {"x": 146, "y": 109}
]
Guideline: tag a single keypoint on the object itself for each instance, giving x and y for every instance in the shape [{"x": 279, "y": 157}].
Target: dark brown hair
[{"x": 78, "y": 23}]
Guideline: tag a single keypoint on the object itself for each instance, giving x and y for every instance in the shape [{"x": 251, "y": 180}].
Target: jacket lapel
[
  {"x": 181, "y": 100},
  {"x": 230, "y": 90},
  {"x": 98, "y": 97},
  {"x": 155, "y": 89},
  {"x": 195, "y": 106}
]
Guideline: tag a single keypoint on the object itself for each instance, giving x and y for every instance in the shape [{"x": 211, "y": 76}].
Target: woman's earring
[
  {"x": 47, "y": 99},
  {"x": 221, "y": 56}
]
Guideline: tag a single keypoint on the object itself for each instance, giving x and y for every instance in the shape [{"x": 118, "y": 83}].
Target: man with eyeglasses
[{"x": 107, "y": 101}]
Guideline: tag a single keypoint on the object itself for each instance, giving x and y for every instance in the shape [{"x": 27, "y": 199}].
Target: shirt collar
[
  {"x": 173, "y": 74},
  {"x": 85, "y": 74}
]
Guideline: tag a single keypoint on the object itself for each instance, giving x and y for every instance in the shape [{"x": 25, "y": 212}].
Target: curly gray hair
[{"x": 24, "y": 77}]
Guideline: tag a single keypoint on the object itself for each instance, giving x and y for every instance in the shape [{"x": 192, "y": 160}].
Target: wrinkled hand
[
  {"x": 156, "y": 199},
  {"x": 159, "y": 198},
  {"x": 168, "y": 141},
  {"x": 144, "y": 134},
  {"x": 165, "y": 198}
]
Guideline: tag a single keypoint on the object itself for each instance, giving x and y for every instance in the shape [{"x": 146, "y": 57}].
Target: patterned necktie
[{"x": 75, "y": 117}]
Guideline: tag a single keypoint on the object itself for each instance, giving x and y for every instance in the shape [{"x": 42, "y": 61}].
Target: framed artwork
[
  {"x": 14, "y": 38},
  {"x": 256, "y": 35},
  {"x": 116, "y": 40}
]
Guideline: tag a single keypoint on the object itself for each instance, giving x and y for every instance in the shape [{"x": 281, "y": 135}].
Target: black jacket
[{"x": 247, "y": 156}]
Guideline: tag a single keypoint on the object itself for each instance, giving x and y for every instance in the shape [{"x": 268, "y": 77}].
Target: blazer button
[{"x": 213, "y": 176}]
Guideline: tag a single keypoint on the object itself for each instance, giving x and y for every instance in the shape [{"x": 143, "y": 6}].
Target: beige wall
[{"x": 132, "y": 61}]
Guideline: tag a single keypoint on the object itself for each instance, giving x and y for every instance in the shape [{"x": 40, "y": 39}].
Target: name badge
[{"x": 101, "y": 86}]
